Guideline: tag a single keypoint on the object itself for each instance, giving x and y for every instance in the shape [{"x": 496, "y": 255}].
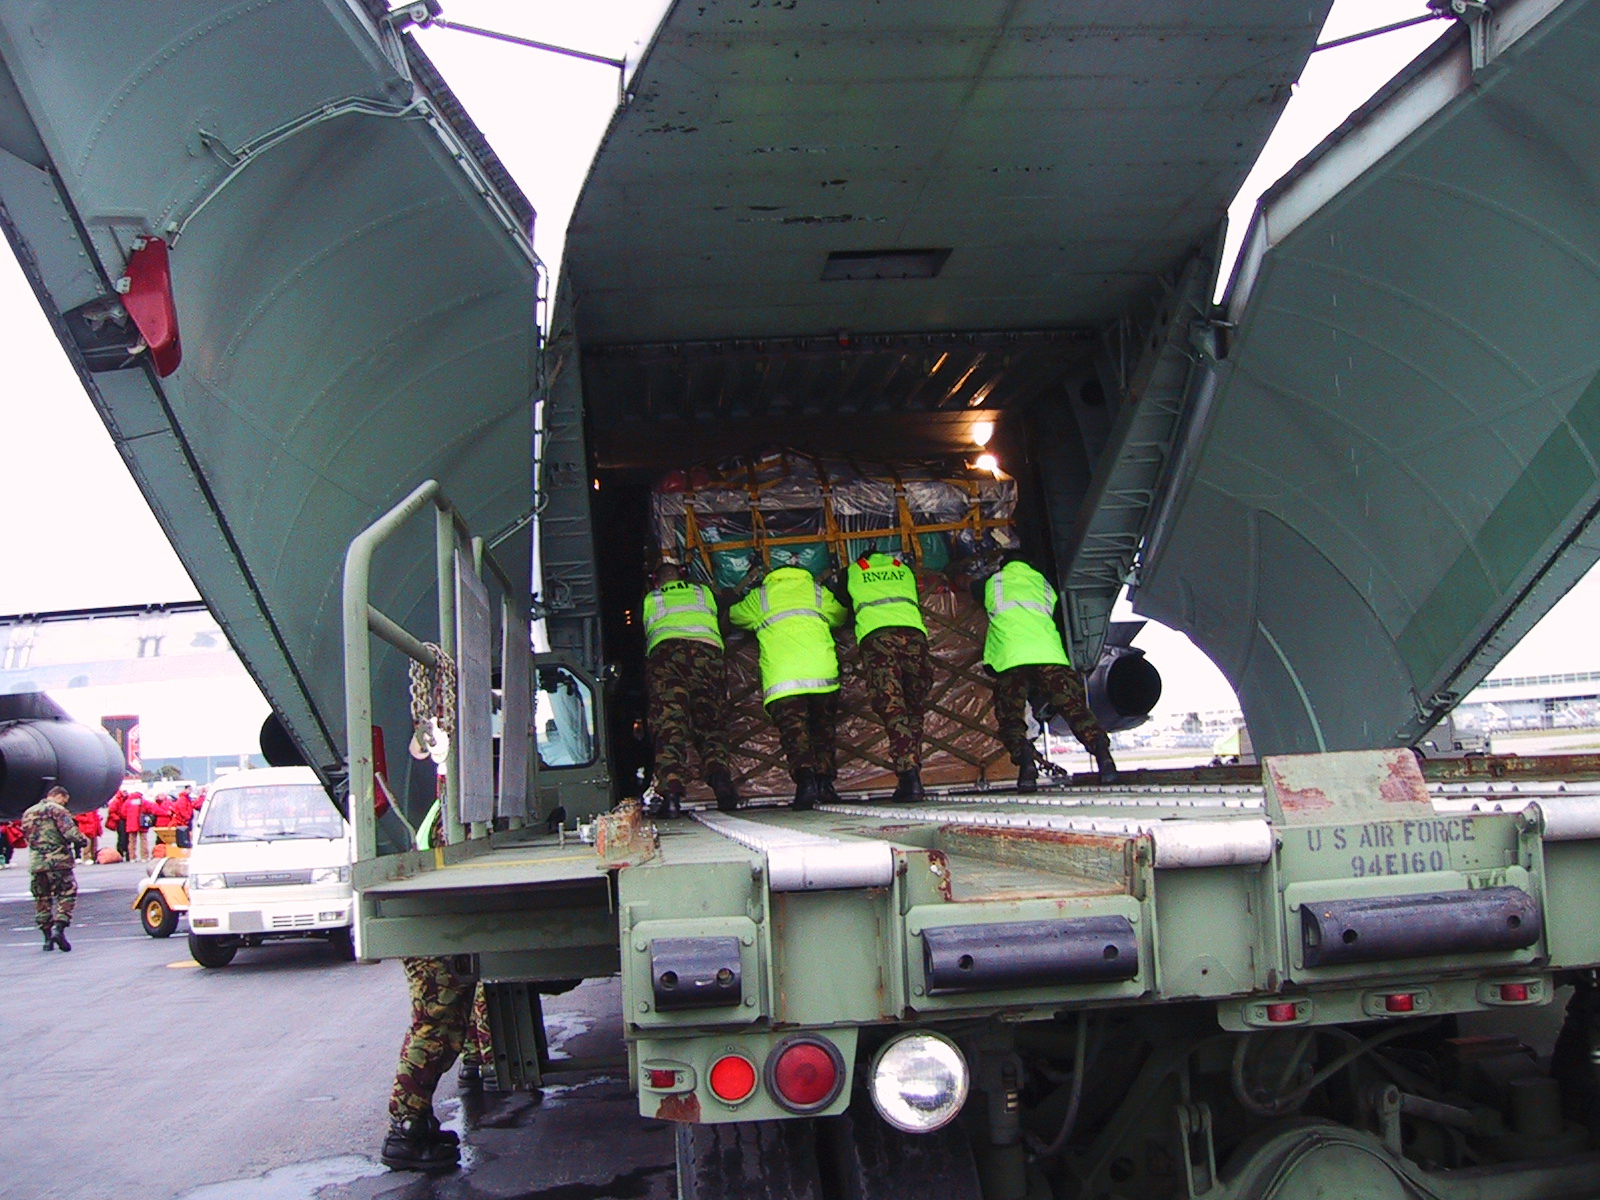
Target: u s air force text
[{"x": 1394, "y": 847}]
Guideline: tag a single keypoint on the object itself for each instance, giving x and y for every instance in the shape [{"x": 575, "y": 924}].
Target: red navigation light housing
[
  {"x": 147, "y": 295},
  {"x": 1285, "y": 1011},
  {"x": 662, "y": 1079},
  {"x": 733, "y": 1078},
  {"x": 805, "y": 1073},
  {"x": 1400, "y": 1002}
]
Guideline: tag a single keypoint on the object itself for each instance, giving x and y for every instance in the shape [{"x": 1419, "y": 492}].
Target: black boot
[
  {"x": 721, "y": 782},
  {"x": 410, "y": 1147},
  {"x": 1103, "y": 761},
  {"x": 61, "y": 938},
  {"x": 806, "y": 792},
  {"x": 439, "y": 1134},
  {"x": 470, "y": 1076},
  {"x": 826, "y": 792},
  {"x": 910, "y": 789},
  {"x": 49, "y": 937},
  {"x": 1027, "y": 776}
]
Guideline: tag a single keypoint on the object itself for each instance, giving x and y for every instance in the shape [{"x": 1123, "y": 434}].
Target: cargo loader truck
[{"x": 939, "y": 280}]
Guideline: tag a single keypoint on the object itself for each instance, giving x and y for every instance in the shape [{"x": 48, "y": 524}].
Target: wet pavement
[{"x": 134, "y": 1073}]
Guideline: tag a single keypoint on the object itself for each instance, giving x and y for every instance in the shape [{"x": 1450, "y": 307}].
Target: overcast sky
[{"x": 78, "y": 533}]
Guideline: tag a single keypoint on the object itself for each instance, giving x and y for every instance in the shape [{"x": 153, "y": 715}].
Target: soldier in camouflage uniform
[
  {"x": 793, "y": 617},
  {"x": 688, "y": 685},
  {"x": 442, "y": 992},
  {"x": 1024, "y": 649},
  {"x": 52, "y": 834},
  {"x": 894, "y": 658}
]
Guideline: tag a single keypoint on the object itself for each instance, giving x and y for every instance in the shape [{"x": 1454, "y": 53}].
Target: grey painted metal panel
[
  {"x": 1401, "y": 465},
  {"x": 1068, "y": 154},
  {"x": 355, "y": 300}
]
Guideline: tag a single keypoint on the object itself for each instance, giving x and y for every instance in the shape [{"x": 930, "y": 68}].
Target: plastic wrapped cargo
[{"x": 788, "y": 509}]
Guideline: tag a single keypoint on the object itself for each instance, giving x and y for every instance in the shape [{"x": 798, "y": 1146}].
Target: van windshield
[{"x": 270, "y": 813}]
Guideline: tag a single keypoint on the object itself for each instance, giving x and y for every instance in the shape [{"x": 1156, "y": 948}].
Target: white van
[{"x": 271, "y": 859}]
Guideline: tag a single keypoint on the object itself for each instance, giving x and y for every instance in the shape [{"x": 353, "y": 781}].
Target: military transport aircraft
[
  {"x": 297, "y": 283},
  {"x": 1354, "y": 483}
]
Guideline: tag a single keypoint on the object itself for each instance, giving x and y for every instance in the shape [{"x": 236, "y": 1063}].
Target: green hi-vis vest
[
  {"x": 792, "y": 615},
  {"x": 1022, "y": 621},
  {"x": 884, "y": 592},
  {"x": 680, "y": 610}
]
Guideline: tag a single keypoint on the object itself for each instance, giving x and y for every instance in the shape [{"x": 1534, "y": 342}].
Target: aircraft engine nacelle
[
  {"x": 1123, "y": 688},
  {"x": 37, "y": 754}
]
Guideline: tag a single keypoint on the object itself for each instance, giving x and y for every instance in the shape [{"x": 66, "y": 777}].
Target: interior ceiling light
[
  {"x": 989, "y": 463},
  {"x": 982, "y": 431}
]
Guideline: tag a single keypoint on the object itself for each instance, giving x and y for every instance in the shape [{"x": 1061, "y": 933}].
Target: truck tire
[
  {"x": 212, "y": 952},
  {"x": 343, "y": 942},
  {"x": 158, "y": 920},
  {"x": 866, "y": 1159},
  {"x": 748, "y": 1160}
]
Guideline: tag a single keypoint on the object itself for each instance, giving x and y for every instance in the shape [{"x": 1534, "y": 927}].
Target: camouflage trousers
[
  {"x": 1061, "y": 687},
  {"x": 806, "y": 727},
  {"x": 899, "y": 675},
  {"x": 688, "y": 708},
  {"x": 55, "y": 894},
  {"x": 441, "y": 1007},
  {"x": 475, "y": 1045}
]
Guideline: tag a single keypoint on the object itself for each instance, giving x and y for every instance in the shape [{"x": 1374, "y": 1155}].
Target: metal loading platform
[{"x": 863, "y": 911}]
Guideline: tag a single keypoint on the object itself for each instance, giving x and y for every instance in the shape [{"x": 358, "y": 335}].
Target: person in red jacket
[
  {"x": 183, "y": 816},
  {"x": 134, "y": 812},
  {"x": 89, "y": 825},
  {"x": 114, "y": 822},
  {"x": 164, "y": 833},
  {"x": 11, "y": 839}
]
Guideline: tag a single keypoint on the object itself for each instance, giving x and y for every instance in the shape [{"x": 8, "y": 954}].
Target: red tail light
[
  {"x": 733, "y": 1078},
  {"x": 805, "y": 1073}
]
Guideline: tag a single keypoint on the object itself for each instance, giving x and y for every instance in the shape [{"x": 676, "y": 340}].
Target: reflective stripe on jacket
[
  {"x": 1022, "y": 623},
  {"x": 680, "y": 610},
  {"x": 884, "y": 593},
  {"x": 792, "y": 615}
]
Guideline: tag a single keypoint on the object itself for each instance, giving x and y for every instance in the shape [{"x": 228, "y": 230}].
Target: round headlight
[{"x": 918, "y": 1082}]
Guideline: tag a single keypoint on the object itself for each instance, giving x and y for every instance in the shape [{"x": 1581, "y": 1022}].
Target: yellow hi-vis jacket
[
  {"x": 792, "y": 615},
  {"x": 1022, "y": 622},
  {"x": 680, "y": 610},
  {"x": 883, "y": 590}
]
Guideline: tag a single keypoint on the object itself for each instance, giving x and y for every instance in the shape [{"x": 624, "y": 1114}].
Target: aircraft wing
[
  {"x": 1399, "y": 469},
  {"x": 354, "y": 287}
]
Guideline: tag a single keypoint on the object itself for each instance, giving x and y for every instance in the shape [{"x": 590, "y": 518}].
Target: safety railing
[{"x": 362, "y": 622}]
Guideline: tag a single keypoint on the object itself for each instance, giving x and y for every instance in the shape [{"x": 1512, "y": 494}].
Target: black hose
[{"x": 1079, "y": 1069}]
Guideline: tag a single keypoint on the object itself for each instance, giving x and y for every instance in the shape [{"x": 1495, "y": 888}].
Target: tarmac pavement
[{"x": 135, "y": 1073}]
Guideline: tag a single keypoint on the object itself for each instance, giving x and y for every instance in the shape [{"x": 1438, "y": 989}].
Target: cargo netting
[{"x": 730, "y": 524}]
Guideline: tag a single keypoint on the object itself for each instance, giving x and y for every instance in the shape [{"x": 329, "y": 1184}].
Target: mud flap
[
  {"x": 748, "y": 1160},
  {"x": 863, "y": 1158}
]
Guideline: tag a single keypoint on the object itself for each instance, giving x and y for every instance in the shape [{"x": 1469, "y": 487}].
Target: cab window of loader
[{"x": 564, "y": 719}]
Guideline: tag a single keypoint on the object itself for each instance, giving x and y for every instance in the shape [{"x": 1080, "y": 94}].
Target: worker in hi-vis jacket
[
  {"x": 894, "y": 659},
  {"x": 1024, "y": 649},
  {"x": 688, "y": 686},
  {"x": 794, "y": 617}
]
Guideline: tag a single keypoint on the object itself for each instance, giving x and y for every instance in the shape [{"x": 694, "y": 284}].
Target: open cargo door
[
  {"x": 1399, "y": 471},
  {"x": 349, "y": 268}
]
